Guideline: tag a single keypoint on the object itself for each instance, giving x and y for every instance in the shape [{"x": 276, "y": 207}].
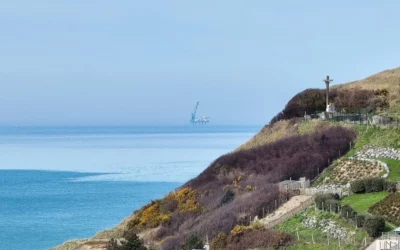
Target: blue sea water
[{"x": 58, "y": 184}]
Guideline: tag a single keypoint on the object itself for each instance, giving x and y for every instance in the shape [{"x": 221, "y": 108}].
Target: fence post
[
  {"x": 297, "y": 232},
  {"x": 312, "y": 236}
]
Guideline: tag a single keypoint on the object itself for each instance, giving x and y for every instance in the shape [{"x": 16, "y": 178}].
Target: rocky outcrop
[{"x": 328, "y": 226}]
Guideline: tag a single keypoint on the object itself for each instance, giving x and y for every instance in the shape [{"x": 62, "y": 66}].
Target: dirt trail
[{"x": 294, "y": 205}]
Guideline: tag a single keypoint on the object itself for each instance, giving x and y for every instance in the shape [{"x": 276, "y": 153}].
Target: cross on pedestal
[{"x": 327, "y": 81}]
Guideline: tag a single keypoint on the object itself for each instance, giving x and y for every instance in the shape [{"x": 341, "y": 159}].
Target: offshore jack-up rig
[{"x": 202, "y": 120}]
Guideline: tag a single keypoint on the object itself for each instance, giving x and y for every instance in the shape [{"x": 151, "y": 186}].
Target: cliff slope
[{"x": 242, "y": 184}]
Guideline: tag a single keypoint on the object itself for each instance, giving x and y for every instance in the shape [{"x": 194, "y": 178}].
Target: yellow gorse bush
[
  {"x": 166, "y": 218},
  {"x": 187, "y": 202},
  {"x": 238, "y": 229},
  {"x": 152, "y": 215}
]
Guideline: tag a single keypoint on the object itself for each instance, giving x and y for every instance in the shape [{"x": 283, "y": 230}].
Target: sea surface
[{"x": 62, "y": 183}]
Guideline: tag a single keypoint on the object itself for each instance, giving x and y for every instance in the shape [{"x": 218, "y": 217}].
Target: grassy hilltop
[{"x": 242, "y": 184}]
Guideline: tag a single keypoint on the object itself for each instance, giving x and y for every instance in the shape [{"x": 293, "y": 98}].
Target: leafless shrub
[
  {"x": 168, "y": 205},
  {"x": 251, "y": 239},
  {"x": 172, "y": 243},
  {"x": 161, "y": 233},
  {"x": 259, "y": 168},
  {"x": 350, "y": 100}
]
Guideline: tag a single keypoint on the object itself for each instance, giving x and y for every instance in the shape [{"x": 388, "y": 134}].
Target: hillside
[
  {"x": 388, "y": 79},
  {"x": 243, "y": 184}
]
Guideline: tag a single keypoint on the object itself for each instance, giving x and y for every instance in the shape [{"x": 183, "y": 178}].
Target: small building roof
[{"x": 397, "y": 230}]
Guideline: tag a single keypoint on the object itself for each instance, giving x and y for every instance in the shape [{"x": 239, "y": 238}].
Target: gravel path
[{"x": 287, "y": 207}]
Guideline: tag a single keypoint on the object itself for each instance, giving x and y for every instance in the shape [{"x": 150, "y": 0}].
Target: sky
[{"x": 124, "y": 63}]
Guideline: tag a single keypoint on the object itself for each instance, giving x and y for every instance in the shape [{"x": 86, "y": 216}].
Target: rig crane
[{"x": 201, "y": 120}]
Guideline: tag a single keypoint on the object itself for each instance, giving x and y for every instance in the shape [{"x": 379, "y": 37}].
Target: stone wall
[{"x": 377, "y": 152}]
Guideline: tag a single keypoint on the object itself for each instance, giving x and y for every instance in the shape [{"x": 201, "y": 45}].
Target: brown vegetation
[
  {"x": 284, "y": 129},
  {"x": 255, "y": 238},
  {"x": 293, "y": 157},
  {"x": 388, "y": 208},
  {"x": 350, "y": 100},
  {"x": 237, "y": 186}
]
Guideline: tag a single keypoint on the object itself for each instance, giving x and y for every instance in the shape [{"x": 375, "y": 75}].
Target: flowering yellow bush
[
  {"x": 150, "y": 217},
  {"x": 166, "y": 218},
  {"x": 238, "y": 230},
  {"x": 157, "y": 212},
  {"x": 187, "y": 202},
  {"x": 250, "y": 188}
]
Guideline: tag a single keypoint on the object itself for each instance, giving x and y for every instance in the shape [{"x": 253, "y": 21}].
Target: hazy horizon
[{"x": 135, "y": 63}]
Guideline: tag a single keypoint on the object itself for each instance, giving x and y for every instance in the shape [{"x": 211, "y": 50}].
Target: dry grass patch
[
  {"x": 284, "y": 129},
  {"x": 388, "y": 79},
  {"x": 347, "y": 170}
]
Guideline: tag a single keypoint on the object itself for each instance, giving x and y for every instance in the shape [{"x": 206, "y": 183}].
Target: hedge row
[
  {"x": 373, "y": 225},
  {"x": 369, "y": 185}
]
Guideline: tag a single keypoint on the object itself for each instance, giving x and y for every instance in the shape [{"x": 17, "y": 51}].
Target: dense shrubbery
[
  {"x": 357, "y": 186},
  {"x": 252, "y": 239},
  {"x": 192, "y": 242},
  {"x": 349, "y": 100},
  {"x": 374, "y": 226},
  {"x": 348, "y": 212},
  {"x": 293, "y": 157},
  {"x": 228, "y": 197},
  {"x": 240, "y": 185},
  {"x": 131, "y": 242},
  {"x": 369, "y": 185},
  {"x": 360, "y": 219},
  {"x": 328, "y": 202},
  {"x": 354, "y": 100},
  {"x": 310, "y": 101},
  {"x": 219, "y": 242}
]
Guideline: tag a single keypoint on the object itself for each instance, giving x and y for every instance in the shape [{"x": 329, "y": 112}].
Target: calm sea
[{"x": 58, "y": 184}]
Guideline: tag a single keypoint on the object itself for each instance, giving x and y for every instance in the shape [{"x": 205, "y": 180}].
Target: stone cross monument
[{"x": 327, "y": 81}]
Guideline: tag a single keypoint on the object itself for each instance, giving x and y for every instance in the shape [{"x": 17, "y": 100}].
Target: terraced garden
[
  {"x": 388, "y": 208},
  {"x": 347, "y": 170}
]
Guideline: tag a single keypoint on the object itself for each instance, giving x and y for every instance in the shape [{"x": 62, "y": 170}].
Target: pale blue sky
[{"x": 97, "y": 62}]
